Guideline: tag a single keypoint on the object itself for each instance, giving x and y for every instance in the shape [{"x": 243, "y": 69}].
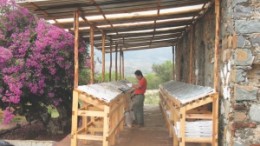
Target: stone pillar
[{"x": 240, "y": 73}]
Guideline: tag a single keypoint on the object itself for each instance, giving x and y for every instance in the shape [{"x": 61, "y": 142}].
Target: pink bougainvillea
[
  {"x": 8, "y": 115},
  {"x": 36, "y": 62}
]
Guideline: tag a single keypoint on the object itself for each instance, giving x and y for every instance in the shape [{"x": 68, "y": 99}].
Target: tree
[
  {"x": 164, "y": 71},
  {"x": 37, "y": 67}
]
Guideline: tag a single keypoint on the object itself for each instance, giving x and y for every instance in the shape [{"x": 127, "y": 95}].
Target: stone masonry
[{"x": 239, "y": 67}]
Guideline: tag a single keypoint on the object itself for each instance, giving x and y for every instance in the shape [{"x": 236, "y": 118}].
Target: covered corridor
[
  {"x": 125, "y": 25},
  {"x": 153, "y": 134}
]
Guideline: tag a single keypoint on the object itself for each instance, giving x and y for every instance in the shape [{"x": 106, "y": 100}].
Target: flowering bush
[{"x": 36, "y": 62}]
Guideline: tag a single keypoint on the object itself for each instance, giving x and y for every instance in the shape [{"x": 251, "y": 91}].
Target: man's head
[{"x": 138, "y": 74}]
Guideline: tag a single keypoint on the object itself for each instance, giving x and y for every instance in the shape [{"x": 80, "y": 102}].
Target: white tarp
[
  {"x": 196, "y": 129},
  {"x": 186, "y": 92},
  {"x": 106, "y": 91}
]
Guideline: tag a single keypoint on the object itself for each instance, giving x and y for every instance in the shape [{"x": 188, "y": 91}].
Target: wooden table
[
  {"x": 184, "y": 104},
  {"x": 102, "y": 118}
]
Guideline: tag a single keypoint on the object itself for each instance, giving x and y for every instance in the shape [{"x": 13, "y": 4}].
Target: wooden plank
[
  {"x": 110, "y": 67},
  {"x": 122, "y": 114},
  {"x": 215, "y": 116},
  {"x": 134, "y": 19},
  {"x": 89, "y": 137},
  {"x": 122, "y": 9},
  {"x": 198, "y": 140},
  {"x": 76, "y": 49},
  {"x": 182, "y": 126},
  {"x": 91, "y": 40},
  {"x": 106, "y": 127},
  {"x": 142, "y": 39},
  {"x": 199, "y": 103},
  {"x": 103, "y": 57},
  {"x": 104, "y": 15},
  {"x": 91, "y": 101},
  {"x": 138, "y": 34},
  {"x": 96, "y": 129},
  {"x": 87, "y": 113},
  {"x": 216, "y": 50},
  {"x": 199, "y": 116},
  {"x": 145, "y": 26},
  {"x": 85, "y": 120},
  {"x": 74, "y": 124},
  {"x": 169, "y": 41}
]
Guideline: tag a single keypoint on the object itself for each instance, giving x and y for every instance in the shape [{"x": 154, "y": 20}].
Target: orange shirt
[{"x": 143, "y": 86}]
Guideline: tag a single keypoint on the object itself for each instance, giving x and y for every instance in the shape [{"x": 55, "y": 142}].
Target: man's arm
[{"x": 141, "y": 84}]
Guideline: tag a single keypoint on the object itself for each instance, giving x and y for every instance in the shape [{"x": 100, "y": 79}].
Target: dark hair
[{"x": 138, "y": 73}]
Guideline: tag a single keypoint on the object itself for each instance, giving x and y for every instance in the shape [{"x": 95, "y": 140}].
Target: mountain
[{"x": 142, "y": 59}]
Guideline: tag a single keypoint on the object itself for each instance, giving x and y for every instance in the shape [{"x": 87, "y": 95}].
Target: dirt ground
[
  {"x": 153, "y": 134},
  {"x": 35, "y": 131}
]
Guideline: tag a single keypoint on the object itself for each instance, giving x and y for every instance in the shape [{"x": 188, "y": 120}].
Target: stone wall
[
  {"x": 203, "y": 34},
  {"x": 239, "y": 68},
  {"x": 240, "y": 107}
]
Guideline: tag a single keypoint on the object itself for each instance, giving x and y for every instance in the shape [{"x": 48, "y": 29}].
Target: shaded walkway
[{"x": 153, "y": 134}]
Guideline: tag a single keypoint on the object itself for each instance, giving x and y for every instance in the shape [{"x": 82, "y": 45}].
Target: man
[{"x": 138, "y": 99}]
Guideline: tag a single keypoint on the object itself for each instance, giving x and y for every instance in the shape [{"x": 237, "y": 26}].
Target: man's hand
[{"x": 136, "y": 86}]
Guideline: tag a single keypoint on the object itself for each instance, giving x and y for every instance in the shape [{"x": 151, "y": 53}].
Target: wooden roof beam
[
  {"x": 140, "y": 39},
  {"x": 103, "y": 14},
  {"x": 140, "y": 43},
  {"x": 89, "y": 23},
  {"x": 153, "y": 46},
  {"x": 154, "y": 25},
  {"x": 180, "y": 30},
  {"x": 137, "y": 19},
  {"x": 46, "y": 14},
  {"x": 112, "y": 10}
]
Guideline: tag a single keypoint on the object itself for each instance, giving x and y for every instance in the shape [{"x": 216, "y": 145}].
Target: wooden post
[
  {"x": 182, "y": 124},
  {"x": 123, "y": 65},
  {"x": 217, "y": 33},
  {"x": 106, "y": 124},
  {"x": 91, "y": 40},
  {"x": 110, "y": 67},
  {"x": 116, "y": 75},
  {"x": 173, "y": 62},
  {"x": 191, "y": 56},
  {"x": 74, "y": 125},
  {"x": 215, "y": 119},
  {"x": 76, "y": 49},
  {"x": 120, "y": 64},
  {"x": 103, "y": 56}
]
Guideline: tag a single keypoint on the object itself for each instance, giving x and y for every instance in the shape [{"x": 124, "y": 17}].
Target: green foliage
[
  {"x": 152, "y": 97},
  {"x": 153, "y": 81},
  {"x": 163, "y": 71},
  {"x": 84, "y": 76}
]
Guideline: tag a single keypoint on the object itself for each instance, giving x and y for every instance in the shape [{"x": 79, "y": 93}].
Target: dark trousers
[{"x": 138, "y": 108}]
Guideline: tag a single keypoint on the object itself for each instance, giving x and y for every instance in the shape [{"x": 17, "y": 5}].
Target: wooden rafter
[
  {"x": 139, "y": 18},
  {"x": 154, "y": 25},
  {"x": 122, "y": 9},
  {"x": 103, "y": 14},
  {"x": 124, "y": 20},
  {"x": 47, "y": 15}
]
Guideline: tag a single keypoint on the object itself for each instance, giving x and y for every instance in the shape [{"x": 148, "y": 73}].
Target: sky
[{"x": 142, "y": 59}]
